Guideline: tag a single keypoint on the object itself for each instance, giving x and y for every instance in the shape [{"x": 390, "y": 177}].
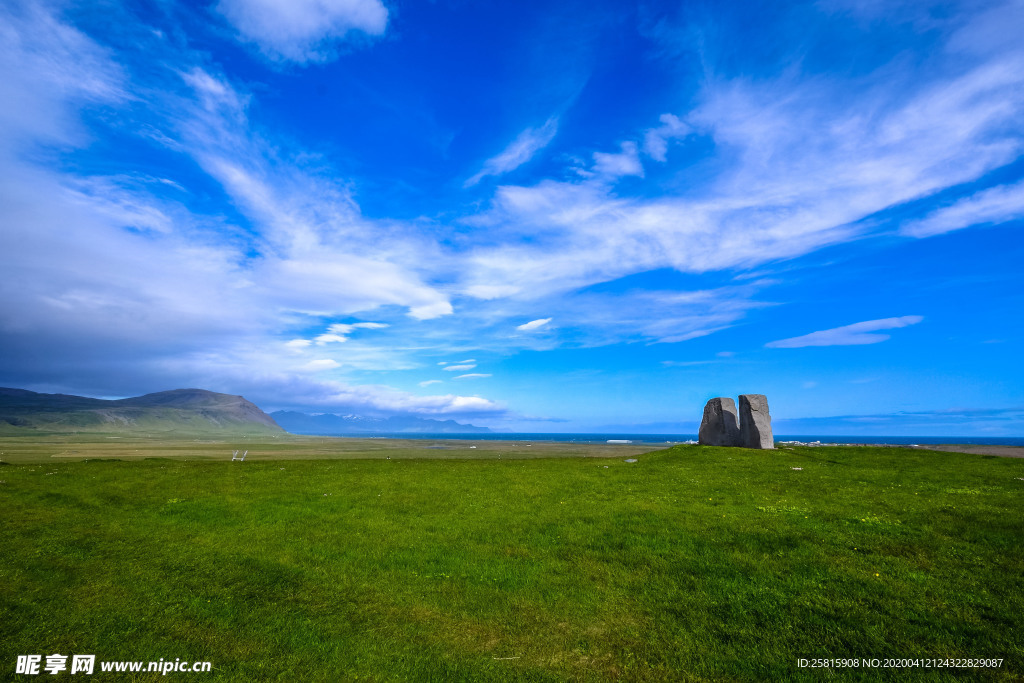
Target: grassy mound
[{"x": 693, "y": 563}]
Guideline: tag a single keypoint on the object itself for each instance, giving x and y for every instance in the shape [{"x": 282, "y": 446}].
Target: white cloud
[
  {"x": 656, "y": 139},
  {"x": 458, "y": 368},
  {"x": 333, "y": 396},
  {"x": 485, "y": 291},
  {"x": 994, "y": 205},
  {"x": 303, "y": 30},
  {"x": 592, "y": 318},
  {"x": 533, "y": 324},
  {"x": 108, "y": 271},
  {"x": 520, "y": 151},
  {"x": 472, "y": 375},
  {"x": 428, "y": 382},
  {"x": 625, "y": 163},
  {"x": 320, "y": 256},
  {"x": 49, "y": 69},
  {"x": 320, "y": 364},
  {"x": 431, "y": 310},
  {"x": 272, "y": 382},
  {"x": 328, "y": 338},
  {"x": 805, "y": 161},
  {"x": 848, "y": 335},
  {"x": 338, "y": 332},
  {"x": 471, "y": 404}
]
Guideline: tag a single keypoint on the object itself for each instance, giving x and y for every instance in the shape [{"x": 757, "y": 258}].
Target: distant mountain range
[
  {"x": 191, "y": 411},
  {"x": 327, "y": 424},
  {"x": 181, "y": 411}
]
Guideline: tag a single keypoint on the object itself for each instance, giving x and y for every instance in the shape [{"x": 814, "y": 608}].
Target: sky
[{"x": 551, "y": 216}]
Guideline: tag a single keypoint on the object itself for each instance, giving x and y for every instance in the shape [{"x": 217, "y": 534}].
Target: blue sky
[{"x": 536, "y": 216}]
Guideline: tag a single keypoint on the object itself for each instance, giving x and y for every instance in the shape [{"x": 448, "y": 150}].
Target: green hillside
[{"x": 184, "y": 411}]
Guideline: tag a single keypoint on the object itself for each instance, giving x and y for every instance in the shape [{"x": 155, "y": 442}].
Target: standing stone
[
  {"x": 755, "y": 422},
  {"x": 719, "y": 426}
]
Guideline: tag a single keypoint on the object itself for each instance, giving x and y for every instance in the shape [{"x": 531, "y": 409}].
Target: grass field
[{"x": 694, "y": 563}]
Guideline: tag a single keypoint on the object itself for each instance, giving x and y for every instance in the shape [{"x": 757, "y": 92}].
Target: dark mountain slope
[{"x": 181, "y": 411}]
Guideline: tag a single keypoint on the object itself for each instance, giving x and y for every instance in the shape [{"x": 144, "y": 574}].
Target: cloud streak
[
  {"x": 533, "y": 325},
  {"x": 998, "y": 204},
  {"x": 520, "y": 151},
  {"x": 805, "y": 162},
  {"x": 303, "y": 30},
  {"x": 848, "y": 335},
  {"x": 458, "y": 368}
]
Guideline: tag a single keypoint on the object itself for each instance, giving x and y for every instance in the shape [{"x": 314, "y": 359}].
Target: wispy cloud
[
  {"x": 473, "y": 375},
  {"x": 303, "y": 30},
  {"x": 533, "y": 325},
  {"x": 848, "y": 335},
  {"x": 320, "y": 364},
  {"x": 428, "y": 382},
  {"x": 178, "y": 295},
  {"x": 338, "y": 332},
  {"x": 624, "y": 163},
  {"x": 656, "y": 139},
  {"x": 370, "y": 399},
  {"x": 459, "y": 368},
  {"x": 520, "y": 151},
  {"x": 805, "y": 160},
  {"x": 598, "y": 318},
  {"x": 309, "y": 221},
  {"x": 995, "y": 205},
  {"x": 50, "y": 70}
]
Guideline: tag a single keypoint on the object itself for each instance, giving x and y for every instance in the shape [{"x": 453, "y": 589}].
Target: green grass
[{"x": 694, "y": 563}]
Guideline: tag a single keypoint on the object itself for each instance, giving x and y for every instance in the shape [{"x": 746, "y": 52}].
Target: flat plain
[
  {"x": 67, "y": 447},
  {"x": 388, "y": 560}
]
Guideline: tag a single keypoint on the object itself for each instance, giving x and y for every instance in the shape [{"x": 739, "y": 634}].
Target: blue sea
[{"x": 683, "y": 438}]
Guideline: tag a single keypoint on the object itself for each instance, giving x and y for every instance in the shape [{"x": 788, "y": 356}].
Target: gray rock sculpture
[
  {"x": 720, "y": 426},
  {"x": 755, "y": 422},
  {"x": 750, "y": 428}
]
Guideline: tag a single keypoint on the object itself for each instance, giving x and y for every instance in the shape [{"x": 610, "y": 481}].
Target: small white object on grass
[
  {"x": 796, "y": 468},
  {"x": 630, "y": 459}
]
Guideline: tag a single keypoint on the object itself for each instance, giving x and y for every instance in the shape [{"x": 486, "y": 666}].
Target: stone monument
[
  {"x": 751, "y": 428},
  {"x": 720, "y": 426},
  {"x": 755, "y": 422}
]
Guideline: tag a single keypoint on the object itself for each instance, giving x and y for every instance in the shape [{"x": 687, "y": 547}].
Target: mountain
[
  {"x": 181, "y": 411},
  {"x": 327, "y": 424}
]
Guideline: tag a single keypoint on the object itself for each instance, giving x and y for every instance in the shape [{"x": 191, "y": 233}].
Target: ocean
[{"x": 683, "y": 438}]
